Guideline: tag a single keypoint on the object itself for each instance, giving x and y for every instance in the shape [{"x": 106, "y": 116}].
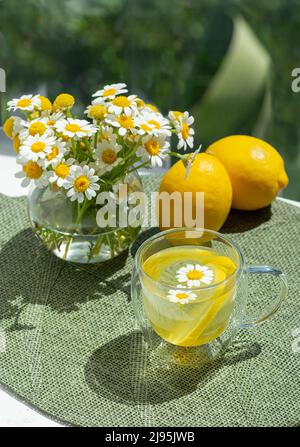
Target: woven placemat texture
[{"x": 72, "y": 348}]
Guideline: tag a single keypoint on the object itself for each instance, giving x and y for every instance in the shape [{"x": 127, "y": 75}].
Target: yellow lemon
[
  {"x": 255, "y": 168},
  {"x": 207, "y": 175}
]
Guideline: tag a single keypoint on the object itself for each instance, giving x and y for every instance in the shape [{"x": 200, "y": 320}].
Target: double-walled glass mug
[{"x": 190, "y": 291}]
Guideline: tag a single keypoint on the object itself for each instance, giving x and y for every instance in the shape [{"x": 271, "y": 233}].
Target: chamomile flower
[
  {"x": 35, "y": 127},
  {"x": 75, "y": 128},
  {"x": 123, "y": 105},
  {"x": 109, "y": 92},
  {"x": 81, "y": 183},
  {"x": 184, "y": 131},
  {"x": 61, "y": 170},
  {"x": 46, "y": 105},
  {"x": 174, "y": 116},
  {"x": 151, "y": 108},
  {"x": 181, "y": 296},
  {"x": 153, "y": 124},
  {"x": 106, "y": 155},
  {"x": 26, "y": 103},
  {"x": 140, "y": 103},
  {"x": 97, "y": 112},
  {"x": 53, "y": 118},
  {"x": 106, "y": 133},
  {"x": 194, "y": 275},
  {"x": 32, "y": 172},
  {"x": 64, "y": 101},
  {"x": 57, "y": 153},
  {"x": 154, "y": 148},
  {"x": 36, "y": 147},
  {"x": 13, "y": 126},
  {"x": 124, "y": 123}
]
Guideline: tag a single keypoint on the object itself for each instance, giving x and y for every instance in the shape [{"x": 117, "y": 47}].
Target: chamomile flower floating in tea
[
  {"x": 78, "y": 159},
  {"x": 180, "y": 296},
  {"x": 194, "y": 275}
]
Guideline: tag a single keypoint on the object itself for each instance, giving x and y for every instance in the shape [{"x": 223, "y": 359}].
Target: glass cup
[{"x": 177, "y": 311}]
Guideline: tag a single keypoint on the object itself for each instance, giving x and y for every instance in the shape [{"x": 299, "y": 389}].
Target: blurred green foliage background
[{"x": 167, "y": 51}]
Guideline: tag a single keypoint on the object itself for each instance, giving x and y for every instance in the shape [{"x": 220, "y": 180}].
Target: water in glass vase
[
  {"x": 86, "y": 248},
  {"x": 189, "y": 298}
]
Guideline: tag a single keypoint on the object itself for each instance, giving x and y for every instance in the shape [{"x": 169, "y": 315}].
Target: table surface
[{"x": 13, "y": 412}]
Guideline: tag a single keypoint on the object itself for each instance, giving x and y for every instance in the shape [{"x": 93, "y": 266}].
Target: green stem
[
  {"x": 82, "y": 210},
  {"x": 146, "y": 163}
]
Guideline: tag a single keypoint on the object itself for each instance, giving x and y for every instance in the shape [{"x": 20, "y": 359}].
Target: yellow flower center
[
  {"x": 97, "y": 111},
  {"x": 54, "y": 153},
  {"x": 62, "y": 170},
  {"x": 126, "y": 121},
  {"x": 50, "y": 123},
  {"x": 82, "y": 183},
  {"x": 109, "y": 92},
  {"x": 104, "y": 136},
  {"x": 154, "y": 123},
  {"x": 152, "y": 107},
  {"x": 185, "y": 131},
  {"x": 16, "y": 144},
  {"x": 177, "y": 115},
  {"x": 24, "y": 102},
  {"x": 34, "y": 115},
  {"x": 109, "y": 156},
  {"x": 37, "y": 128},
  {"x": 73, "y": 128},
  {"x": 45, "y": 103},
  {"x": 8, "y": 127},
  {"x": 194, "y": 275},
  {"x": 32, "y": 170},
  {"x": 139, "y": 102},
  {"x": 145, "y": 127},
  {"x": 121, "y": 101},
  {"x": 152, "y": 147},
  {"x": 64, "y": 101},
  {"x": 39, "y": 146},
  {"x": 181, "y": 296}
]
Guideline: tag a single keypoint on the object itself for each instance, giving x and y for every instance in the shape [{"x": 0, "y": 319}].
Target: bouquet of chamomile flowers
[{"x": 79, "y": 158}]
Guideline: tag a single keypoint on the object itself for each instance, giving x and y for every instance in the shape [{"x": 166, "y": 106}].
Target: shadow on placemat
[
  {"x": 29, "y": 275},
  {"x": 240, "y": 221},
  {"x": 111, "y": 372}
]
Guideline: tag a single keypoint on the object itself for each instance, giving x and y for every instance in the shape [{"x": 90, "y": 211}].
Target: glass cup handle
[{"x": 250, "y": 321}]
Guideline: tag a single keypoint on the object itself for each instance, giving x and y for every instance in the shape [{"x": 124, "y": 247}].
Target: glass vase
[{"x": 74, "y": 237}]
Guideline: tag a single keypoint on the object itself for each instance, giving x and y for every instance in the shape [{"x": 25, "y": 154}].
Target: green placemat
[{"x": 73, "y": 350}]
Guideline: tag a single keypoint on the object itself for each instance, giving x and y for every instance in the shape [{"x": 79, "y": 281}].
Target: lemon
[
  {"x": 255, "y": 168},
  {"x": 207, "y": 175}
]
